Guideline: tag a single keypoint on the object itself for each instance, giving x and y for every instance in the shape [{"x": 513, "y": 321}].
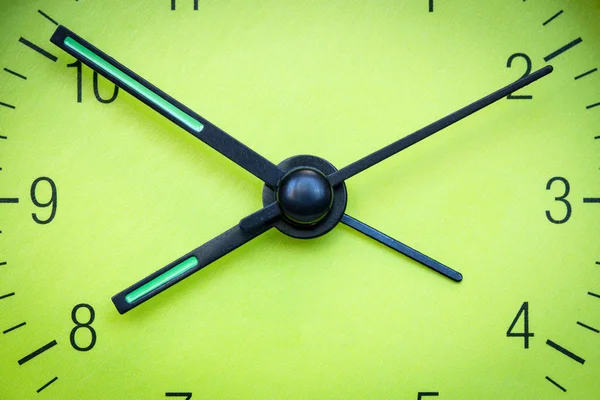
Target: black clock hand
[
  {"x": 167, "y": 106},
  {"x": 186, "y": 265},
  {"x": 388, "y": 151},
  {"x": 402, "y": 248}
]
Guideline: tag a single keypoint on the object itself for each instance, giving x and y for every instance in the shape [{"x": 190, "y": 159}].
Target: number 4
[{"x": 524, "y": 310}]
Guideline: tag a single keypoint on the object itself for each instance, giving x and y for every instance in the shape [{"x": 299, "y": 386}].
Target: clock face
[{"x": 491, "y": 287}]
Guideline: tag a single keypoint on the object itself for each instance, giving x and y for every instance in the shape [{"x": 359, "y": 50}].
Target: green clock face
[{"x": 299, "y": 200}]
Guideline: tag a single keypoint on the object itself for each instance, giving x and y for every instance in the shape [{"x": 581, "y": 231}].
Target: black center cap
[
  {"x": 310, "y": 206},
  {"x": 305, "y": 196}
]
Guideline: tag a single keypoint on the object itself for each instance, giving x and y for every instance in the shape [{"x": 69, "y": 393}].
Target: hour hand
[
  {"x": 402, "y": 248},
  {"x": 193, "y": 261},
  {"x": 167, "y": 106}
]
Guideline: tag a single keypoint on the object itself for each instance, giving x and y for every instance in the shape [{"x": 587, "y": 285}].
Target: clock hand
[
  {"x": 167, "y": 106},
  {"x": 191, "y": 262},
  {"x": 388, "y": 151},
  {"x": 401, "y": 248}
]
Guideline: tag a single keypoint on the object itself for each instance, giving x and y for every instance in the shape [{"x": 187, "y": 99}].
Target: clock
[{"x": 299, "y": 199}]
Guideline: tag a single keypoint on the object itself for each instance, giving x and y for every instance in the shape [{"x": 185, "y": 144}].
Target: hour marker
[
  {"x": 586, "y": 73},
  {"x": 187, "y": 395},
  {"x": 47, "y": 17},
  {"x": 47, "y": 384},
  {"x": 553, "y": 17},
  {"x": 36, "y": 353},
  {"x": 38, "y": 49},
  {"x": 594, "y": 294},
  {"x": 14, "y": 327},
  {"x": 563, "y": 49},
  {"x": 420, "y": 395},
  {"x": 556, "y": 384},
  {"x": 8, "y": 200},
  {"x": 565, "y": 351},
  {"x": 588, "y": 327},
  {"x": 7, "y": 105},
  {"x": 593, "y": 105},
  {"x": 4, "y": 296},
  {"x": 3, "y": 137},
  {"x": 592, "y": 200},
  {"x": 2, "y": 263},
  {"x": 15, "y": 73}
]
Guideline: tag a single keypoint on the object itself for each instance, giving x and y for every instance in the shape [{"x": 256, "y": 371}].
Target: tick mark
[
  {"x": 36, "y": 353},
  {"x": 38, "y": 49},
  {"x": 14, "y": 327},
  {"x": 48, "y": 18},
  {"x": 565, "y": 351},
  {"x": 563, "y": 49},
  {"x": 592, "y": 200},
  {"x": 7, "y": 105},
  {"x": 15, "y": 73},
  {"x": 47, "y": 384},
  {"x": 594, "y": 294},
  {"x": 7, "y": 200},
  {"x": 4, "y": 296},
  {"x": 553, "y": 18},
  {"x": 592, "y": 106},
  {"x": 2, "y": 263},
  {"x": 3, "y": 137},
  {"x": 556, "y": 384},
  {"x": 426, "y": 394},
  {"x": 588, "y": 327},
  {"x": 187, "y": 395},
  {"x": 586, "y": 73}
]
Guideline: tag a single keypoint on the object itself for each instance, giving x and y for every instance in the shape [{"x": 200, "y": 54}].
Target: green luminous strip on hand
[
  {"x": 126, "y": 80},
  {"x": 162, "y": 279}
]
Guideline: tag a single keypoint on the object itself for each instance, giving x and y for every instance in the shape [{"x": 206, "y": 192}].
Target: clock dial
[{"x": 98, "y": 190}]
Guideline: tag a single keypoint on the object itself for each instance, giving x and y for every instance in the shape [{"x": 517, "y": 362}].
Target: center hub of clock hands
[
  {"x": 311, "y": 207},
  {"x": 305, "y": 196}
]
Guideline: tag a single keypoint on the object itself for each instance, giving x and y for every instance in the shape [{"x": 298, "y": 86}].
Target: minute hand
[
  {"x": 388, "y": 151},
  {"x": 167, "y": 106}
]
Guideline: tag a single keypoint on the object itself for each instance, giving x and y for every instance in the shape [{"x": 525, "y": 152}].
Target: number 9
[{"x": 52, "y": 202}]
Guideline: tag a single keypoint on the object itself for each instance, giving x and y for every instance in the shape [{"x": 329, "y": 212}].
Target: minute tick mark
[
  {"x": 586, "y": 73},
  {"x": 7, "y": 105},
  {"x": 594, "y": 295},
  {"x": 14, "y": 327},
  {"x": 553, "y": 17},
  {"x": 47, "y": 17},
  {"x": 589, "y": 200},
  {"x": 8, "y": 200},
  {"x": 555, "y": 384},
  {"x": 563, "y": 49},
  {"x": 592, "y": 106},
  {"x": 47, "y": 384},
  {"x": 15, "y": 73},
  {"x": 38, "y": 49},
  {"x": 4, "y": 296},
  {"x": 588, "y": 327}
]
